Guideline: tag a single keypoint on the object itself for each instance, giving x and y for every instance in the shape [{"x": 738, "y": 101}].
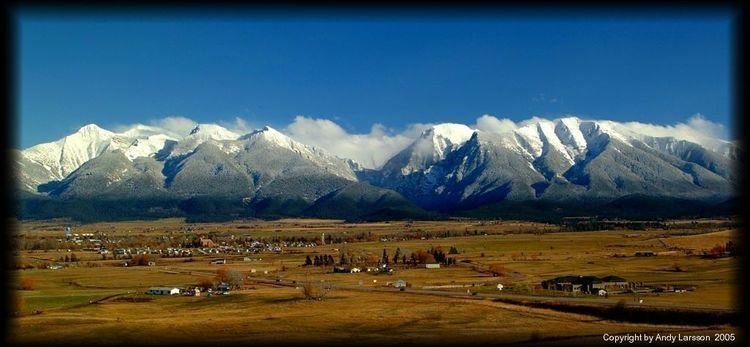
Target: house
[
  {"x": 341, "y": 269},
  {"x": 163, "y": 291},
  {"x": 192, "y": 292},
  {"x": 500, "y": 286},
  {"x": 645, "y": 253},
  {"x": 602, "y": 292},
  {"x": 152, "y": 263},
  {"x": 431, "y": 266},
  {"x": 399, "y": 284},
  {"x": 355, "y": 270},
  {"x": 612, "y": 281},
  {"x": 223, "y": 288},
  {"x": 574, "y": 284}
]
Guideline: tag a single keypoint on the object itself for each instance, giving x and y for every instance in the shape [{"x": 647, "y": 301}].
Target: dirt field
[{"x": 59, "y": 307}]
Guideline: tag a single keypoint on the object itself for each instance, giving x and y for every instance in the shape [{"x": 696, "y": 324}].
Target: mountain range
[{"x": 567, "y": 165}]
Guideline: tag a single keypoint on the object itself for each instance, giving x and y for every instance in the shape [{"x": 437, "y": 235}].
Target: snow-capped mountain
[
  {"x": 448, "y": 167},
  {"x": 432, "y": 146},
  {"x": 561, "y": 159}
]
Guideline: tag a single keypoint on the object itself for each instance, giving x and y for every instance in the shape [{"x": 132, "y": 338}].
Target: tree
[
  {"x": 235, "y": 279},
  {"x": 424, "y": 257},
  {"x": 205, "y": 283},
  {"x": 396, "y": 255},
  {"x": 222, "y": 275},
  {"x": 385, "y": 256},
  {"x": 73, "y": 257},
  {"x": 729, "y": 247},
  {"x": 308, "y": 261}
]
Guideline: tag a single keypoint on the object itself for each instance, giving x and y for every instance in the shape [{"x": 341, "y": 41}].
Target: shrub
[
  {"x": 315, "y": 291},
  {"x": 141, "y": 260},
  {"x": 27, "y": 283},
  {"x": 498, "y": 270}
]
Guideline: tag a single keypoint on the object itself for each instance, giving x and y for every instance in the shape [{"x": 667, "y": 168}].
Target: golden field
[{"x": 59, "y": 309}]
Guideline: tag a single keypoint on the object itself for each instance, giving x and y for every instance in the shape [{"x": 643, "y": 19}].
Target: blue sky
[{"x": 111, "y": 71}]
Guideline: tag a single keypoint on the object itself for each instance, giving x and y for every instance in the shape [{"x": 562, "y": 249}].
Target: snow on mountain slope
[
  {"x": 560, "y": 159},
  {"x": 448, "y": 163},
  {"x": 200, "y": 134},
  {"x": 270, "y": 140},
  {"x": 431, "y": 146},
  {"x": 67, "y": 154}
]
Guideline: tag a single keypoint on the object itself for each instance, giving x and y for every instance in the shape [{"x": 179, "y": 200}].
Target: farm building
[
  {"x": 612, "y": 281},
  {"x": 192, "y": 292},
  {"x": 399, "y": 284},
  {"x": 574, "y": 284},
  {"x": 163, "y": 291},
  {"x": 431, "y": 266}
]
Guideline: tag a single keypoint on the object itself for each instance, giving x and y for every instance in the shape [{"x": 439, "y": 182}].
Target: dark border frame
[{"x": 367, "y": 9}]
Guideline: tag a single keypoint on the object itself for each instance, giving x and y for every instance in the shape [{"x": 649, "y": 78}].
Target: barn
[{"x": 163, "y": 291}]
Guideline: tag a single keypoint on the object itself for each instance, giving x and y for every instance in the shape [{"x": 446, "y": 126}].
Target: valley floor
[{"x": 99, "y": 301}]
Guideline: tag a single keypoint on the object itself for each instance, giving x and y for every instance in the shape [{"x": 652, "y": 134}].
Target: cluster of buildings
[
  {"x": 608, "y": 285},
  {"x": 588, "y": 284},
  {"x": 382, "y": 268},
  {"x": 221, "y": 289}
]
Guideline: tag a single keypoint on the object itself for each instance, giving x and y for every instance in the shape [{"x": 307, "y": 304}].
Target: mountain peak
[
  {"x": 212, "y": 131},
  {"x": 271, "y": 135},
  {"x": 456, "y": 133},
  {"x": 91, "y": 129},
  {"x": 446, "y": 135}
]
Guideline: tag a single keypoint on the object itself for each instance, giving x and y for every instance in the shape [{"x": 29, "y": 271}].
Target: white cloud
[
  {"x": 696, "y": 129},
  {"x": 176, "y": 126},
  {"x": 239, "y": 125},
  {"x": 493, "y": 124},
  {"x": 371, "y": 149}
]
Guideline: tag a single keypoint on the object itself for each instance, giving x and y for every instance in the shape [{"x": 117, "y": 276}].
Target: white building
[{"x": 163, "y": 291}]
